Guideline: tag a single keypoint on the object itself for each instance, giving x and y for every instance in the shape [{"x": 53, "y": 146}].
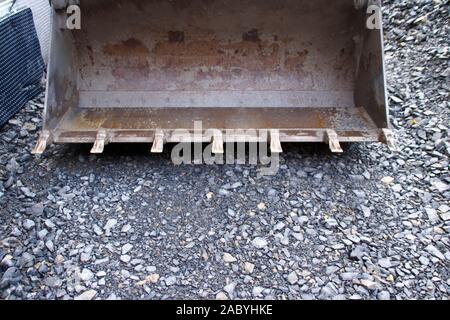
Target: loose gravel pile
[{"x": 367, "y": 224}]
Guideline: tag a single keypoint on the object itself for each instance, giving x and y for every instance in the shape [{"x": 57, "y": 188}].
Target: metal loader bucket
[{"x": 139, "y": 71}]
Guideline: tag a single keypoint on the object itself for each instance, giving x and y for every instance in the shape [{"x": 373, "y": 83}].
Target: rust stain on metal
[
  {"x": 296, "y": 61},
  {"x": 219, "y": 118},
  {"x": 128, "y": 47},
  {"x": 176, "y": 36},
  {"x": 251, "y": 36},
  {"x": 91, "y": 54},
  {"x": 135, "y": 65},
  {"x": 260, "y": 56}
]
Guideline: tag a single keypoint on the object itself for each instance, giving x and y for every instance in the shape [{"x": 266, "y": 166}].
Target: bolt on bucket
[{"x": 141, "y": 71}]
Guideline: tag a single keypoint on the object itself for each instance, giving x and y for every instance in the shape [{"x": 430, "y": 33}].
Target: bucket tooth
[
  {"x": 333, "y": 141},
  {"x": 43, "y": 140},
  {"x": 389, "y": 139},
  {"x": 275, "y": 144},
  {"x": 217, "y": 142},
  {"x": 100, "y": 141},
  {"x": 158, "y": 142}
]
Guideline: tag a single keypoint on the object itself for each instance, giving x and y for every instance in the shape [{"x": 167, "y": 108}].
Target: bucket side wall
[
  {"x": 62, "y": 89},
  {"x": 370, "y": 86}
]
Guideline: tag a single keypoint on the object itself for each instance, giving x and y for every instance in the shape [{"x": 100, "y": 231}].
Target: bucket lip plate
[{"x": 174, "y": 136}]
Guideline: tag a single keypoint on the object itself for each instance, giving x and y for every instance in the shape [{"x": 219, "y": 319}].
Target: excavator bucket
[{"x": 146, "y": 70}]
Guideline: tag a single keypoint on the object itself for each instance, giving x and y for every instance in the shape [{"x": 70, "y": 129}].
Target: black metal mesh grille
[{"x": 21, "y": 62}]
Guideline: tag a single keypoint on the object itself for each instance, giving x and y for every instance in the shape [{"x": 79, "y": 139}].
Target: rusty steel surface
[
  {"x": 308, "y": 68},
  {"x": 217, "y": 118},
  {"x": 143, "y": 124},
  {"x": 216, "y": 54}
]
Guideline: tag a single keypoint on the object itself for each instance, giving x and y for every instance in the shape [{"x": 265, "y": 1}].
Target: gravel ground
[{"x": 367, "y": 224}]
